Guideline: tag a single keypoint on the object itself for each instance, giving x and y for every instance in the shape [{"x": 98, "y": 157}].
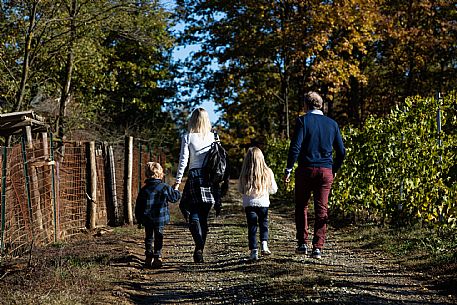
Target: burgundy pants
[{"x": 316, "y": 181}]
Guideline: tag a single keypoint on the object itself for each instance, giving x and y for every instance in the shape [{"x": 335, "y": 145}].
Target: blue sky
[{"x": 181, "y": 53}]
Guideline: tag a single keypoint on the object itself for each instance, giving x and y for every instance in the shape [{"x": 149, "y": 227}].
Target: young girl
[{"x": 256, "y": 182}]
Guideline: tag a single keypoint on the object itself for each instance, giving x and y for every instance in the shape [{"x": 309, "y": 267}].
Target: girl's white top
[
  {"x": 261, "y": 200},
  {"x": 194, "y": 147}
]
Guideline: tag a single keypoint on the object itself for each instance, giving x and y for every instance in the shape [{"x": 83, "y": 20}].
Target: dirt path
[
  {"x": 341, "y": 277},
  {"x": 115, "y": 274}
]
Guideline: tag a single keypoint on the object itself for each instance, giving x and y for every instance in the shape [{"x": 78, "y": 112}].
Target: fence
[{"x": 51, "y": 191}]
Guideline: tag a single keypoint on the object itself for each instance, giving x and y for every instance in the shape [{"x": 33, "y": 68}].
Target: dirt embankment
[{"x": 107, "y": 269}]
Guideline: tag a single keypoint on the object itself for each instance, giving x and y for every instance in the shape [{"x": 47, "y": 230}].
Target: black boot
[
  {"x": 196, "y": 232},
  {"x": 198, "y": 256},
  {"x": 148, "y": 261}
]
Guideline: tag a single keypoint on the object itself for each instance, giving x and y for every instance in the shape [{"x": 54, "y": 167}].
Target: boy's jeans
[
  {"x": 155, "y": 234},
  {"x": 256, "y": 215}
]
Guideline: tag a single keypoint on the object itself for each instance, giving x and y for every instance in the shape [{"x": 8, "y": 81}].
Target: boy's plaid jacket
[{"x": 152, "y": 202}]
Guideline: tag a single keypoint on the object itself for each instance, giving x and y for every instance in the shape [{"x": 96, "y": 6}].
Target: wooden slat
[{"x": 14, "y": 122}]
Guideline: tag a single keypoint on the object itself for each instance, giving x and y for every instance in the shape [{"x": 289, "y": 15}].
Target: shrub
[{"x": 396, "y": 168}]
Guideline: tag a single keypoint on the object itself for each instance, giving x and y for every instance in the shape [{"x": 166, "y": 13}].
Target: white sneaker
[
  {"x": 265, "y": 250},
  {"x": 254, "y": 255}
]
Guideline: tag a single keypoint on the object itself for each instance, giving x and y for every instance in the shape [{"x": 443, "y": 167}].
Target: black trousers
[{"x": 154, "y": 235}]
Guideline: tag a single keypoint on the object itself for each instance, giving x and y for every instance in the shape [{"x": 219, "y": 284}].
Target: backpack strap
[{"x": 216, "y": 137}]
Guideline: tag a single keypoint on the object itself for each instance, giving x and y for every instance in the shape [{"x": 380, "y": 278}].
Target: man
[{"x": 313, "y": 142}]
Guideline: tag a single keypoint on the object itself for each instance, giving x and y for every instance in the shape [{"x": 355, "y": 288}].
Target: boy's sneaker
[
  {"x": 147, "y": 262},
  {"x": 302, "y": 249},
  {"x": 157, "y": 263},
  {"x": 316, "y": 253},
  {"x": 254, "y": 255},
  {"x": 198, "y": 256}
]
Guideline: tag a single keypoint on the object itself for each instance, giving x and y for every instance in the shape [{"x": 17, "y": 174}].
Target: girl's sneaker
[
  {"x": 254, "y": 255},
  {"x": 265, "y": 250}
]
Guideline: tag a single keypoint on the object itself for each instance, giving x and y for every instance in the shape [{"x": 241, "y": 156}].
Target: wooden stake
[
  {"x": 128, "y": 172},
  {"x": 92, "y": 189}
]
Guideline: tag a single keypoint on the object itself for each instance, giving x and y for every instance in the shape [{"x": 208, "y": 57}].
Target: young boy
[{"x": 152, "y": 211}]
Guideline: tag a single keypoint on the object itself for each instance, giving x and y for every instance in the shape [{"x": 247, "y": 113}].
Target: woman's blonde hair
[
  {"x": 255, "y": 174},
  {"x": 154, "y": 170},
  {"x": 199, "y": 122}
]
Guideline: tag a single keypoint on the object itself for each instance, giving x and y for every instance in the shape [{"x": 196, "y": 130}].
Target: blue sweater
[{"x": 314, "y": 139}]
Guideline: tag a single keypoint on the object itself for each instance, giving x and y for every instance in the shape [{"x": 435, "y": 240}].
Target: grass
[
  {"x": 426, "y": 250},
  {"x": 440, "y": 247}
]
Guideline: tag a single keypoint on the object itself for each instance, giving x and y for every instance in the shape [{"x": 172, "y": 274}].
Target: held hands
[{"x": 176, "y": 186}]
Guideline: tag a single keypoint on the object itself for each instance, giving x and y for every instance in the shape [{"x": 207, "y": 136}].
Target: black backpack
[{"x": 215, "y": 164}]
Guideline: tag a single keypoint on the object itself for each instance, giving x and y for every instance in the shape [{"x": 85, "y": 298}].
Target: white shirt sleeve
[
  {"x": 274, "y": 186},
  {"x": 183, "y": 158}
]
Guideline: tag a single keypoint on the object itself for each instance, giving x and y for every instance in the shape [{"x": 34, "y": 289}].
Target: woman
[{"x": 198, "y": 197}]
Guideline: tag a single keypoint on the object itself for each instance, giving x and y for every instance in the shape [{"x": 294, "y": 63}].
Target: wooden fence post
[
  {"x": 35, "y": 189},
  {"x": 3, "y": 211},
  {"x": 140, "y": 161},
  {"x": 91, "y": 186},
  {"x": 49, "y": 230},
  {"x": 128, "y": 172},
  {"x": 27, "y": 178},
  {"x": 110, "y": 186},
  {"x": 55, "y": 206}
]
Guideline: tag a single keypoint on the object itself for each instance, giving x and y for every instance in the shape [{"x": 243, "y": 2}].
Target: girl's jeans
[
  {"x": 153, "y": 234},
  {"x": 254, "y": 216}
]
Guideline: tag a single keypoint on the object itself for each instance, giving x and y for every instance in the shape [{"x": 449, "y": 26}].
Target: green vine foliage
[
  {"x": 396, "y": 170},
  {"x": 276, "y": 157}
]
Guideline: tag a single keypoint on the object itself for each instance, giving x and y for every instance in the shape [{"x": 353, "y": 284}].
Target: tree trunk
[
  {"x": 26, "y": 63},
  {"x": 354, "y": 104},
  {"x": 285, "y": 76},
  {"x": 66, "y": 84}
]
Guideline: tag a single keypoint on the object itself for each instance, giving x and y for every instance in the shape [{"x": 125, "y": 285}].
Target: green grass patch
[{"x": 415, "y": 246}]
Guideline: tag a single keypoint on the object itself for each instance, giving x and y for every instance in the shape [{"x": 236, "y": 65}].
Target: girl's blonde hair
[
  {"x": 199, "y": 122},
  {"x": 154, "y": 170},
  {"x": 255, "y": 174}
]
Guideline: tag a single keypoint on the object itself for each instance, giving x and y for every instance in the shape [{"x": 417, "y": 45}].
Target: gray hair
[{"x": 314, "y": 100}]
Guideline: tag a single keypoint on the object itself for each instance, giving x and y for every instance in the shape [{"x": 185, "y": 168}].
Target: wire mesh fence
[{"x": 50, "y": 192}]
